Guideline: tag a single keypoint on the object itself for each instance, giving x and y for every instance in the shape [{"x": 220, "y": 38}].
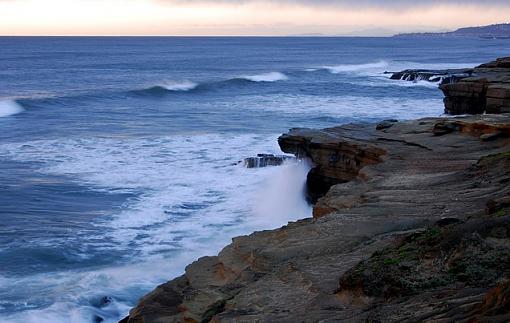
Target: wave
[
  {"x": 178, "y": 86},
  {"x": 345, "y": 68},
  {"x": 266, "y": 77},
  {"x": 169, "y": 86},
  {"x": 416, "y": 83},
  {"x": 9, "y": 108},
  {"x": 189, "y": 181},
  {"x": 188, "y": 86}
]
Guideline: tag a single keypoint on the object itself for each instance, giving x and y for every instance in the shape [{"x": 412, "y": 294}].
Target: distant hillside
[{"x": 491, "y": 31}]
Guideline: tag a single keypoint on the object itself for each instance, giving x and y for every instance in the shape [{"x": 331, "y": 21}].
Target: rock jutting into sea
[
  {"x": 483, "y": 89},
  {"x": 264, "y": 160},
  {"x": 411, "y": 222}
]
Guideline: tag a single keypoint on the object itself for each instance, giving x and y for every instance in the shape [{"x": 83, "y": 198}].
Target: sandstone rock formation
[
  {"x": 483, "y": 89},
  {"x": 414, "y": 226}
]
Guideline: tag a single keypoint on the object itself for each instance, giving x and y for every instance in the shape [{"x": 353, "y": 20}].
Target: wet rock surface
[
  {"x": 413, "y": 225},
  {"x": 436, "y": 76},
  {"x": 264, "y": 160}
]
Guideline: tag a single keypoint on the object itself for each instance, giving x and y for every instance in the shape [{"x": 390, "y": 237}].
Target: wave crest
[
  {"x": 345, "y": 68},
  {"x": 9, "y": 108},
  {"x": 178, "y": 86},
  {"x": 266, "y": 77}
]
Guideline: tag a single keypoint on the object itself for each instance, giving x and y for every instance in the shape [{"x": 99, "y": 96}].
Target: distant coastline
[{"x": 497, "y": 31}]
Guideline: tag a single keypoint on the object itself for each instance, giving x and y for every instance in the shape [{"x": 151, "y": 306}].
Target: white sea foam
[
  {"x": 72, "y": 293},
  {"x": 185, "y": 85},
  {"x": 9, "y": 108},
  {"x": 282, "y": 196},
  {"x": 417, "y": 83},
  {"x": 396, "y": 66},
  {"x": 349, "y": 107},
  {"x": 193, "y": 200},
  {"x": 266, "y": 77},
  {"x": 349, "y": 68},
  {"x": 384, "y": 80}
]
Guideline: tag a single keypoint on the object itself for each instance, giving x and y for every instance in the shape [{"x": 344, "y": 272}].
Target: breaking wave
[
  {"x": 187, "y": 86},
  {"x": 266, "y": 77},
  {"x": 170, "y": 86},
  {"x": 346, "y": 68},
  {"x": 9, "y": 108},
  {"x": 179, "y": 86}
]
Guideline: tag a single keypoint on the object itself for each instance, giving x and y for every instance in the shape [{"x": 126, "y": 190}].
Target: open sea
[{"x": 118, "y": 156}]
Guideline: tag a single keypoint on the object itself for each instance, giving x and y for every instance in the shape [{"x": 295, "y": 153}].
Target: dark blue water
[{"x": 117, "y": 154}]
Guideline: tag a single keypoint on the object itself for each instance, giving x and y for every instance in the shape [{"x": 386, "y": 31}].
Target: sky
[{"x": 245, "y": 17}]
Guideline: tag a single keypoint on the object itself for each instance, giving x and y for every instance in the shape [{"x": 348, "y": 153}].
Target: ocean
[{"x": 119, "y": 156}]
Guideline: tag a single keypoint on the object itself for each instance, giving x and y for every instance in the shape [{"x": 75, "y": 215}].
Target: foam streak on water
[
  {"x": 186, "y": 209},
  {"x": 349, "y": 68}
]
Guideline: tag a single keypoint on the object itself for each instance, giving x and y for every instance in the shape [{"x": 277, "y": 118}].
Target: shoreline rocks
[
  {"x": 483, "y": 89},
  {"x": 435, "y": 76},
  {"x": 391, "y": 201},
  {"x": 265, "y": 160},
  {"x": 411, "y": 222},
  {"x": 337, "y": 160}
]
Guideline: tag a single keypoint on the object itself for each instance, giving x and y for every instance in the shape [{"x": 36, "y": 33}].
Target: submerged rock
[{"x": 400, "y": 235}]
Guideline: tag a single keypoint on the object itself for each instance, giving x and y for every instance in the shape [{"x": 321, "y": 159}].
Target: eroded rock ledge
[{"x": 415, "y": 225}]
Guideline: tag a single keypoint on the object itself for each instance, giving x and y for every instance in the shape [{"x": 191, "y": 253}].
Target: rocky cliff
[
  {"x": 410, "y": 223},
  {"x": 488, "y": 90},
  {"x": 483, "y": 89}
]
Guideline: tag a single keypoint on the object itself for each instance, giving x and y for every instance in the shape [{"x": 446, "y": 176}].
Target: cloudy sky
[{"x": 244, "y": 17}]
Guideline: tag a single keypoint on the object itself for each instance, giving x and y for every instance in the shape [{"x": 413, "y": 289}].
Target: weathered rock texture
[
  {"x": 401, "y": 235},
  {"x": 487, "y": 91},
  {"x": 483, "y": 89}
]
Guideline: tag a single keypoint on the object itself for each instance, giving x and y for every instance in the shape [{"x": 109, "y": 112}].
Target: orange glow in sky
[{"x": 159, "y": 17}]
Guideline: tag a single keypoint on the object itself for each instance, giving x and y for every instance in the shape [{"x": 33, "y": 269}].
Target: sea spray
[
  {"x": 347, "y": 68},
  {"x": 281, "y": 198}
]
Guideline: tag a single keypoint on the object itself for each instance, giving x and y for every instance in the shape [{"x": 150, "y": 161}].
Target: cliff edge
[
  {"x": 411, "y": 220},
  {"x": 482, "y": 89}
]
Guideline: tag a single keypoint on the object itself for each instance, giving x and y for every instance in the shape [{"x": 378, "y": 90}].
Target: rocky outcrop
[
  {"x": 402, "y": 234},
  {"x": 445, "y": 76},
  {"x": 264, "y": 160},
  {"x": 452, "y": 264},
  {"x": 488, "y": 90},
  {"x": 483, "y": 89},
  {"x": 337, "y": 160}
]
